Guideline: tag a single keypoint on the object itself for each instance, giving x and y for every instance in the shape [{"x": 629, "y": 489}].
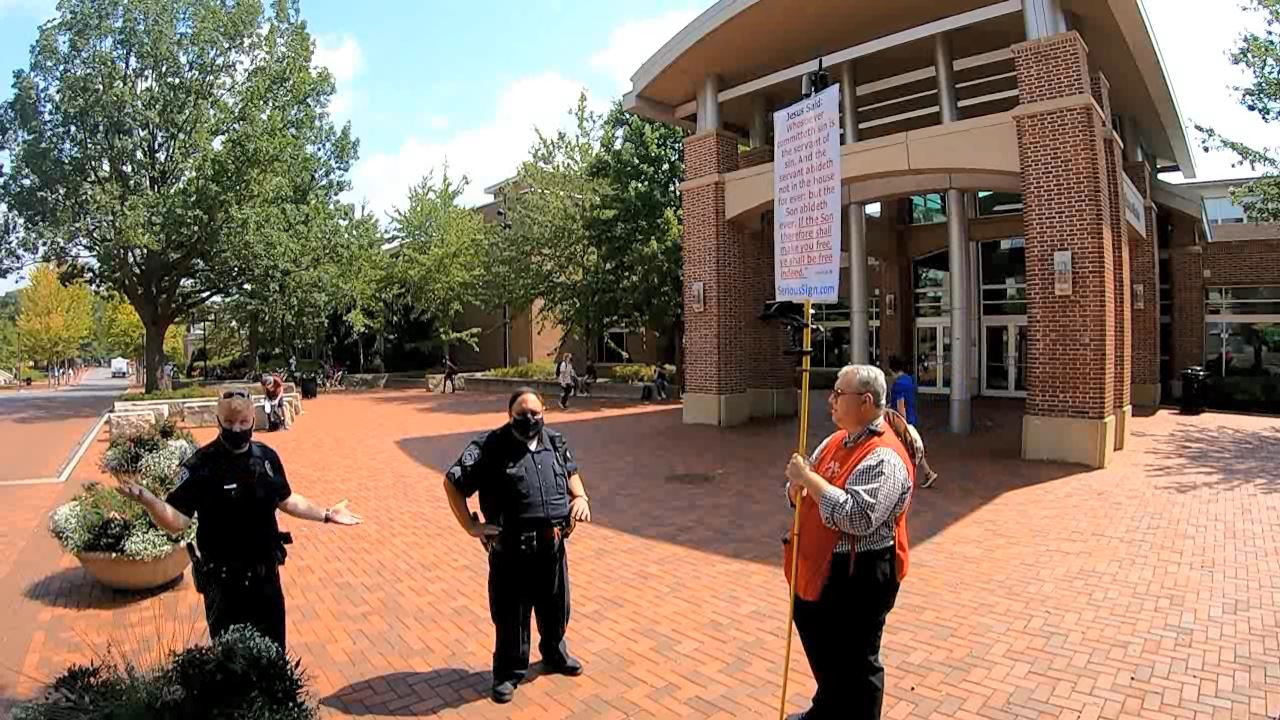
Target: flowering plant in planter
[{"x": 102, "y": 520}]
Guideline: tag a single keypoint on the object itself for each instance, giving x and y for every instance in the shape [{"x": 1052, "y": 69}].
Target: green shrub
[
  {"x": 100, "y": 519},
  {"x": 542, "y": 370},
  {"x": 639, "y": 373},
  {"x": 241, "y": 676}
]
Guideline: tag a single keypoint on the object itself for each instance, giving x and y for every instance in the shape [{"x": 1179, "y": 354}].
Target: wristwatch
[{"x": 328, "y": 515}]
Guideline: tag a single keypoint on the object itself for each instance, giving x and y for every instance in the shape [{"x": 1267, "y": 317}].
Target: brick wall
[
  {"x": 715, "y": 350},
  {"x": 1052, "y": 68},
  {"x": 1072, "y": 338},
  {"x": 768, "y": 368},
  {"x": 1143, "y": 270},
  {"x": 1122, "y": 317},
  {"x": 762, "y": 155},
  {"x": 709, "y": 153},
  {"x": 1186, "y": 265}
]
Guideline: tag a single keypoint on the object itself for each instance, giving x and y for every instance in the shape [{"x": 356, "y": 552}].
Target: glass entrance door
[
  {"x": 933, "y": 355},
  {"x": 1004, "y": 356}
]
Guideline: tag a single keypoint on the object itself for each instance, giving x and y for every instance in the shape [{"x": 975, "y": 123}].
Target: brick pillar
[
  {"x": 1113, "y": 153},
  {"x": 715, "y": 358},
  {"x": 1186, "y": 265},
  {"x": 770, "y": 372},
  {"x": 1070, "y": 411},
  {"x": 1144, "y": 270}
]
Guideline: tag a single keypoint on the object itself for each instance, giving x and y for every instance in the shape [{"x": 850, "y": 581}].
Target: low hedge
[
  {"x": 544, "y": 370},
  {"x": 187, "y": 393},
  {"x": 639, "y": 373}
]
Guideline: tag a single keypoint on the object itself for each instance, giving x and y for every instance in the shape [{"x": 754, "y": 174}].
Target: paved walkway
[
  {"x": 1037, "y": 591},
  {"x": 41, "y": 427}
]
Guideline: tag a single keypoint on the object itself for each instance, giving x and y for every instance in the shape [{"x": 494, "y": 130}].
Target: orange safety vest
[{"x": 817, "y": 542}]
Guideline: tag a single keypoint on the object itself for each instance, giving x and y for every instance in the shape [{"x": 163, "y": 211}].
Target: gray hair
[{"x": 866, "y": 379}]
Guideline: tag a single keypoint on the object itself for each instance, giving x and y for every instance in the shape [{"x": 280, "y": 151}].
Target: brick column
[
  {"x": 770, "y": 372},
  {"x": 1113, "y": 153},
  {"x": 715, "y": 358},
  {"x": 1186, "y": 265},
  {"x": 1070, "y": 411},
  {"x": 1144, "y": 270}
]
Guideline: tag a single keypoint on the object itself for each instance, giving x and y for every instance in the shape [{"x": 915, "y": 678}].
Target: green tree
[
  {"x": 53, "y": 318},
  {"x": 440, "y": 264},
  {"x": 550, "y": 251},
  {"x": 595, "y": 225},
  {"x": 638, "y": 226},
  {"x": 1258, "y": 52},
  {"x": 176, "y": 148}
]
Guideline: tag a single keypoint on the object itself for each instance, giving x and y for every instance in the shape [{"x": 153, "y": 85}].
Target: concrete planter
[
  {"x": 365, "y": 382},
  {"x": 120, "y": 573},
  {"x": 131, "y": 415}
]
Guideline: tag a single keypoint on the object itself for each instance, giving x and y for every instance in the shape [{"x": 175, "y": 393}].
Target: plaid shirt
[{"x": 875, "y": 494}]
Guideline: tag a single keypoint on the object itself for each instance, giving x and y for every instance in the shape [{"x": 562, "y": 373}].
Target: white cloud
[
  {"x": 635, "y": 41},
  {"x": 1195, "y": 44},
  {"x": 438, "y": 122},
  {"x": 342, "y": 57},
  {"x": 486, "y": 154}
]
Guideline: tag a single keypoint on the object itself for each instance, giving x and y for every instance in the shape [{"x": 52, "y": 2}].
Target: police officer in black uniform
[
  {"x": 233, "y": 487},
  {"x": 532, "y": 497}
]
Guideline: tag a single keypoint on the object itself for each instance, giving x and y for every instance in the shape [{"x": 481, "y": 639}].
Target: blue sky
[{"x": 426, "y": 82}]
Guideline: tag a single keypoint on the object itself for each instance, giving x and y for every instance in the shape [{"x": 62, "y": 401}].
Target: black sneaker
[
  {"x": 571, "y": 667},
  {"x": 503, "y": 692}
]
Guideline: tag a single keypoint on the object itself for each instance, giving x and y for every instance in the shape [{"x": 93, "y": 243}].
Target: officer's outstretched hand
[
  {"x": 483, "y": 531},
  {"x": 580, "y": 510},
  {"x": 340, "y": 515}
]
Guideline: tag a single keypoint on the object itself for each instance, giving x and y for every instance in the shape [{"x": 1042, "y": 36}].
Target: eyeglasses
[
  {"x": 837, "y": 393},
  {"x": 235, "y": 394}
]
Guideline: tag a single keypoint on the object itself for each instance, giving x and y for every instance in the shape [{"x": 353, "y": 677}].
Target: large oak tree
[{"x": 174, "y": 149}]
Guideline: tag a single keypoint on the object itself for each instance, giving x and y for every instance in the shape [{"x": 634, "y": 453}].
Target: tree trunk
[
  {"x": 360, "y": 345},
  {"x": 254, "y": 339},
  {"x": 154, "y": 350}
]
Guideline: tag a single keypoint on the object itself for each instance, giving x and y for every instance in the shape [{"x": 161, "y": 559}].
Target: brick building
[{"x": 982, "y": 140}]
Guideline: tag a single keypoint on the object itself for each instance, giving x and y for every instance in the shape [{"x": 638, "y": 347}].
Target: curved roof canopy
[{"x": 743, "y": 41}]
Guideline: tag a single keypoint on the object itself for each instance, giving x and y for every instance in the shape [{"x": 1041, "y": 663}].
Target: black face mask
[
  {"x": 235, "y": 440},
  {"x": 526, "y": 427}
]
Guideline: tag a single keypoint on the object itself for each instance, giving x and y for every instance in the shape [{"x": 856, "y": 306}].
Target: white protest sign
[{"x": 806, "y": 206}]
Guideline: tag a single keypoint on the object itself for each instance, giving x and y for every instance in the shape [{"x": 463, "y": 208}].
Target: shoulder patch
[
  {"x": 267, "y": 464},
  {"x": 183, "y": 475},
  {"x": 470, "y": 455}
]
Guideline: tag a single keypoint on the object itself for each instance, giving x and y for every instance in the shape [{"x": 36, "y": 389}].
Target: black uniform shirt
[
  {"x": 516, "y": 485},
  {"x": 234, "y": 498}
]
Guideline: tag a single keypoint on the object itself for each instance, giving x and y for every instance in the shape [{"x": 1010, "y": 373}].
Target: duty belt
[{"x": 531, "y": 540}]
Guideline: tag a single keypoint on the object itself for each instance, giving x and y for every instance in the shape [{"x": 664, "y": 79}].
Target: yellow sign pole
[{"x": 801, "y": 446}]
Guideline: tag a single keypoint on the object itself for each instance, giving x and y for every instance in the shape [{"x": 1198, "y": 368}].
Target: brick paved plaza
[{"x": 1147, "y": 590}]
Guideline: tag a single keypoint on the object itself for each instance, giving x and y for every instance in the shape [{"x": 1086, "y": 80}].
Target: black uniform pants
[
  {"x": 841, "y": 635},
  {"x": 526, "y": 578},
  {"x": 252, "y": 598}
]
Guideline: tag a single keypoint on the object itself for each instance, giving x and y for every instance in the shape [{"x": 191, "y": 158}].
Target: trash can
[
  {"x": 1195, "y": 390},
  {"x": 310, "y": 387}
]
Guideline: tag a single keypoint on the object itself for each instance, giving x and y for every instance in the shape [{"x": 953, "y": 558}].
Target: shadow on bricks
[
  {"x": 1203, "y": 455},
  {"x": 411, "y": 694},
  {"x": 74, "y": 589},
  {"x": 719, "y": 490}
]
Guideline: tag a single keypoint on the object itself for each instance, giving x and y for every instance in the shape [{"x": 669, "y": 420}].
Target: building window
[
  {"x": 994, "y": 204},
  {"x": 1004, "y": 277},
  {"x": 1223, "y": 211},
  {"x": 612, "y": 347},
  {"x": 1164, "y": 270},
  {"x": 1248, "y": 301},
  {"x": 928, "y": 209},
  {"x": 1242, "y": 334},
  {"x": 932, "y": 284},
  {"x": 873, "y": 209},
  {"x": 832, "y": 348}
]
